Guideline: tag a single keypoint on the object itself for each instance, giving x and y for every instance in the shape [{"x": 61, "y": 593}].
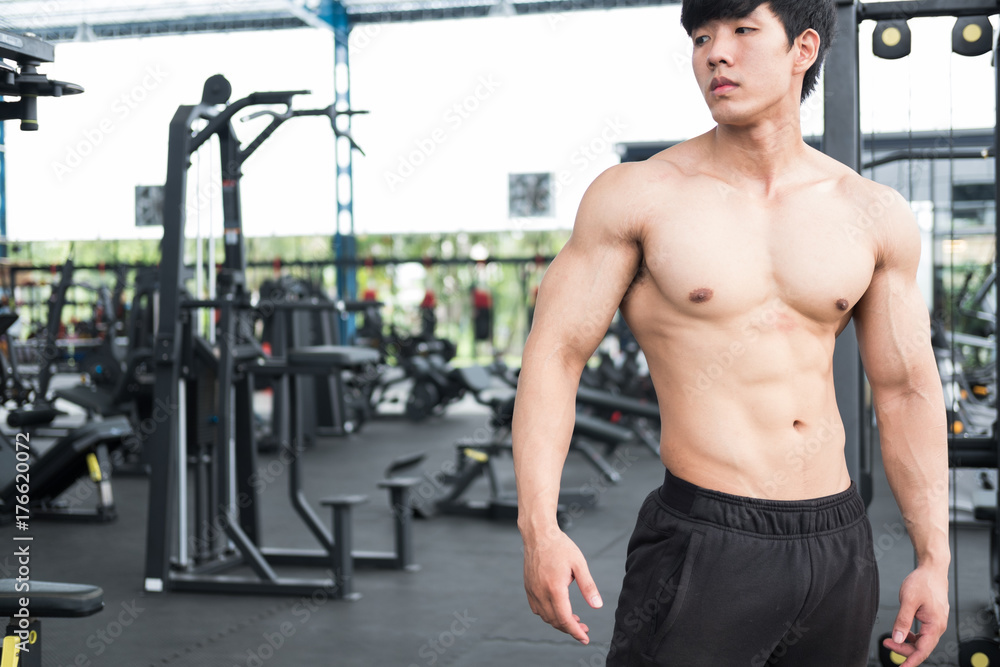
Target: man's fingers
[
  {"x": 587, "y": 586},
  {"x": 904, "y": 649},
  {"x": 567, "y": 621},
  {"x": 915, "y": 649},
  {"x": 904, "y": 621}
]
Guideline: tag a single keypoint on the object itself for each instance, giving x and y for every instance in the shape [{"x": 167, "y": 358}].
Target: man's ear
[{"x": 806, "y": 50}]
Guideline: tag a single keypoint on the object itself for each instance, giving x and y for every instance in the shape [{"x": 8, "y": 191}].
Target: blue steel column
[{"x": 344, "y": 245}]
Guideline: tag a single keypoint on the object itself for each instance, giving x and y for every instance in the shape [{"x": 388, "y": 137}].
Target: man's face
[{"x": 743, "y": 66}]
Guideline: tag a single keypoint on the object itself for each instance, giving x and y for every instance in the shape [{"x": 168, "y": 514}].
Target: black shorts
[{"x": 716, "y": 579}]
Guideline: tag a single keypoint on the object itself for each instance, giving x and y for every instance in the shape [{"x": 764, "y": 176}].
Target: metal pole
[
  {"x": 344, "y": 246},
  {"x": 842, "y": 141}
]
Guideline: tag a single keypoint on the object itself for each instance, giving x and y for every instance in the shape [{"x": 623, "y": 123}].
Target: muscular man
[{"x": 737, "y": 258}]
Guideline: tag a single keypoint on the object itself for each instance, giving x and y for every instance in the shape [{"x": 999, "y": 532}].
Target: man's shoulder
[
  {"x": 636, "y": 182},
  {"x": 658, "y": 170},
  {"x": 863, "y": 192}
]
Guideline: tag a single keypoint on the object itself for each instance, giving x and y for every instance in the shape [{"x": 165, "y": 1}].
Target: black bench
[
  {"x": 331, "y": 360},
  {"x": 589, "y": 429},
  {"x": 45, "y": 599},
  {"x": 83, "y": 452},
  {"x": 641, "y": 417}
]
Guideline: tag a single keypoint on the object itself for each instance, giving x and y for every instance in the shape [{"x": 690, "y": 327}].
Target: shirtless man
[{"x": 737, "y": 258}]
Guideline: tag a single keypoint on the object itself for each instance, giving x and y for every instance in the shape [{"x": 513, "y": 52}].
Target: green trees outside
[{"x": 401, "y": 286}]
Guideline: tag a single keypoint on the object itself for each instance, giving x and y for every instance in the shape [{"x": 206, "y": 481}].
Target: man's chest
[{"x": 721, "y": 260}]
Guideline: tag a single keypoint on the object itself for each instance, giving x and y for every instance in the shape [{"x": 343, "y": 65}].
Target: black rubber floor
[{"x": 465, "y": 607}]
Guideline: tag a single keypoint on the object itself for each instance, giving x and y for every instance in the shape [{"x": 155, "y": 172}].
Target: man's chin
[{"x": 729, "y": 116}]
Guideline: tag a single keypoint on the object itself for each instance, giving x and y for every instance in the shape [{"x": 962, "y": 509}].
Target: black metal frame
[
  {"x": 24, "y": 81},
  {"x": 842, "y": 140},
  {"x": 176, "y": 363}
]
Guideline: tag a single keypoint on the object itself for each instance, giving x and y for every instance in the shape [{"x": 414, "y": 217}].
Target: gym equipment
[
  {"x": 83, "y": 453},
  {"x": 13, "y": 388},
  {"x": 436, "y": 384},
  {"x": 978, "y": 652},
  {"x": 298, "y": 314},
  {"x": 482, "y": 318},
  {"x": 444, "y": 491},
  {"x": 973, "y": 432},
  {"x": 886, "y": 657},
  {"x": 208, "y": 389},
  {"x": 624, "y": 376},
  {"x": 422, "y": 361},
  {"x": 24, "y": 81},
  {"x": 642, "y": 418},
  {"x": 46, "y": 600},
  {"x": 79, "y": 454},
  {"x": 122, "y": 386}
]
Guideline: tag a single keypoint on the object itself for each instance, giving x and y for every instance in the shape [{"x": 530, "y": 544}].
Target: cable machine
[
  {"x": 842, "y": 140},
  {"x": 203, "y": 446}
]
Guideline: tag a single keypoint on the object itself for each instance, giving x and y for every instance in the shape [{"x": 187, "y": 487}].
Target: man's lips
[{"x": 722, "y": 84}]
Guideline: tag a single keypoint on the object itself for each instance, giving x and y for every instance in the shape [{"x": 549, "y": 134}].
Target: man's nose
[{"x": 720, "y": 51}]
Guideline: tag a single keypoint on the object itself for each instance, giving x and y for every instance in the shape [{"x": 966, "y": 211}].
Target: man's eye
[
  {"x": 698, "y": 41},
  {"x": 744, "y": 31}
]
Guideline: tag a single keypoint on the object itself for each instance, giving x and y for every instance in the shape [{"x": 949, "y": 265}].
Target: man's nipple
[
  {"x": 843, "y": 304},
  {"x": 701, "y": 295}
]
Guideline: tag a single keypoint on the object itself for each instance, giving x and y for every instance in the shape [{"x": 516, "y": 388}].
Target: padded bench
[
  {"x": 328, "y": 357},
  {"x": 623, "y": 404},
  {"x": 22, "y": 643},
  {"x": 51, "y": 600}
]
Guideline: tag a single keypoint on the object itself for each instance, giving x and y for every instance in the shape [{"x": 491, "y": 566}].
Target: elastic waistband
[{"x": 767, "y": 517}]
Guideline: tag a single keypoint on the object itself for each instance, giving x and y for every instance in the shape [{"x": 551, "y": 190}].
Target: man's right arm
[{"x": 577, "y": 300}]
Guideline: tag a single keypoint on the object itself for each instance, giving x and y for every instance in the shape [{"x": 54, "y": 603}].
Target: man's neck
[{"x": 761, "y": 157}]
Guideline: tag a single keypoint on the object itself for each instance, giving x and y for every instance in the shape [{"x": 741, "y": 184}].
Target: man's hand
[
  {"x": 550, "y": 566},
  {"x": 922, "y": 597}
]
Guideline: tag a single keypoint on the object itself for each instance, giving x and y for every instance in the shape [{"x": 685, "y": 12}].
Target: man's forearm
[
  {"x": 544, "y": 415},
  {"x": 914, "y": 442}
]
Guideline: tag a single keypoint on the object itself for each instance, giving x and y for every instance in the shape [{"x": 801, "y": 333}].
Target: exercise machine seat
[
  {"x": 625, "y": 404},
  {"x": 591, "y": 428},
  {"x": 476, "y": 378},
  {"x": 343, "y": 356},
  {"x": 96, "y": 399},
  {"x": 48, "y": 599}
]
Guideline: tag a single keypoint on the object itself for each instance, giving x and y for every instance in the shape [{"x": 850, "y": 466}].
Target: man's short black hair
[{"x": 796, "y": 15}]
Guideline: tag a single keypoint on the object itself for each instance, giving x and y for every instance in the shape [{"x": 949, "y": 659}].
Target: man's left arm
[{"x": 893, "y": 329}]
